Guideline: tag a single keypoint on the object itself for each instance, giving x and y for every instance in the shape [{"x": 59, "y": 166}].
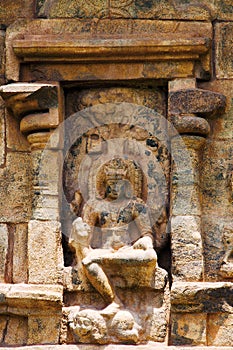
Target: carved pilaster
[{"x": 188, "y": 107}]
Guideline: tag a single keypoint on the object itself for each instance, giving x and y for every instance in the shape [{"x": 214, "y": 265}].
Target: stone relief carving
[
  {"x": 117, "y": 224},
  {"x": 116, "y": 181},
  {"x": 114, "y": 218}
]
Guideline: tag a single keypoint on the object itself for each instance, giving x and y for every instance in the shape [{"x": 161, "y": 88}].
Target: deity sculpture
[{"x": 121, "y": 221}]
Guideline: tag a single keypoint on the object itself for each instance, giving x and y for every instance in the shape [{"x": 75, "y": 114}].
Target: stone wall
[{"x": 198, "y": 257}]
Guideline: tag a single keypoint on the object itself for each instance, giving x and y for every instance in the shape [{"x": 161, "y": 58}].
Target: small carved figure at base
[
  {"x": 88, "y": 326},
  {"x": 124, "y": 328}
]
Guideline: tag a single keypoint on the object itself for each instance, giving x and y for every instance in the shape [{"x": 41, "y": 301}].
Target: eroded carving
[
  {"x": 113, "y": 242},
  {"x": 120, "y": 229},
  {"x": 89, "y": 326},
  {"x": 116, "y": 179}
]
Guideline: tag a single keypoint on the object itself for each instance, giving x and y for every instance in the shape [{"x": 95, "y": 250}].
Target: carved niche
[{"x": 116, "y": 181}]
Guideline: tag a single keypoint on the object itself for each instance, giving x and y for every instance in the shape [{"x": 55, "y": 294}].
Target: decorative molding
[
  {"x": 121, "y": 49},
  {"x": 110, "y": 50}
]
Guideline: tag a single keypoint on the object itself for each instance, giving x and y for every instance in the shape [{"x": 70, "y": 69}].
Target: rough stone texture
[
  {"x": 201, "y": 313},
  {"x": 150, "y": 346},
  {"x": 47, "y": 182},
  {"x": 195, "y": 9},
  {"x": 44, "y": 252},
  {"x": 31, "y": 304},
  {"x": 223, "y": 46},
  {"x": 3, "y": 250},
  {"x": 44, "y": 329},
  {"x": 27, "y": 296},
  {"x": 3, "y": 323},
  {"x": 216, "y": 175},
  {"x": 125, "y": 9},
  {"x": 15, "y": 141},
  {"x": 185, "y": 200},
  {"x": 195, "y": 101},
  {"x": 2, "y": 56},
  {"x": 189, "y": 58},
  {"x": 12, "y": 10},
  {"x": 222, "y": 124},
  {"x": 213, "y": 246},
  {"x": 220, "y": 329},
  {"x": 16, "y": 331},
  {"x": 150, "y": 98},
  {"x": 216, "y": 182},
  {"x": 217, "y": 201},
  {"x": 186, "y": 245},
  {"x": 2, "y": 134},
  {"x": 202, "y": 188},
  {"x": 188, "y": 329},
  {"x": 20, "y": 259},
  {"x": 202, "y": 297},
  {"x": 15, "y": 188}
]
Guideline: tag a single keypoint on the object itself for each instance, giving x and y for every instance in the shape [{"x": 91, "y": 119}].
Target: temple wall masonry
[{"x": 116, "y": 174}]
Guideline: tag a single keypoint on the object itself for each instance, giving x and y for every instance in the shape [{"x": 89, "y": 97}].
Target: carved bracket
[
  {"x": 36, "y": 106},
  {"x": 188, "y": 106}
]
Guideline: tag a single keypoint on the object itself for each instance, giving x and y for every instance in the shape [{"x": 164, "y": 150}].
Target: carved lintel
[{"x": 51, "y": 50}]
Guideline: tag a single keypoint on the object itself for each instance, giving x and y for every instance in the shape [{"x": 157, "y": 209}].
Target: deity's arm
[
  {"x": 81, "y": 233},
  {"x": 142, "y": 219},
  {"x": 143, "y": 223},
  {"x": 90, "y": 216}
]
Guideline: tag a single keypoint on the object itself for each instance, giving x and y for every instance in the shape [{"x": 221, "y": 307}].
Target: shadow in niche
[
  {"x": 68, "y": 253},
  {"x": 164, "y": 260}
]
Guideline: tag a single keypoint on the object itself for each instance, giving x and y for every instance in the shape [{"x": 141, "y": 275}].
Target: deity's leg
[{"x": 98, "y": 279}]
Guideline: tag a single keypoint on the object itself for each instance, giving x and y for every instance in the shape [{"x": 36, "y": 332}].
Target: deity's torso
[{"x": 114, "y": 223}]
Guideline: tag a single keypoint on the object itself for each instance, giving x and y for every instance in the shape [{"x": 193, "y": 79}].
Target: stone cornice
[
  {"x": 117, "y": 50},
  {"x": 123, "y": 49}
]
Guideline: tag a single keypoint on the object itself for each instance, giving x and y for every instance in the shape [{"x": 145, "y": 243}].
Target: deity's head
[{"x": 113, "y": 180}]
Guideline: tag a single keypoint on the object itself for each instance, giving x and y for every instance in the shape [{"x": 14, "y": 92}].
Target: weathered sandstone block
[
  {"x": 44, "y": 252},
  {"x": 186, "y": 245}
]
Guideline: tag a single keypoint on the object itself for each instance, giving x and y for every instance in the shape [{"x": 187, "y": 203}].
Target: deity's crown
[{"x": 116, "y": 169}]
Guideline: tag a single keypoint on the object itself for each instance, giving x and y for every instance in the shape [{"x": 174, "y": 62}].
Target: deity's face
[{"x": 115, "y": 189}]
